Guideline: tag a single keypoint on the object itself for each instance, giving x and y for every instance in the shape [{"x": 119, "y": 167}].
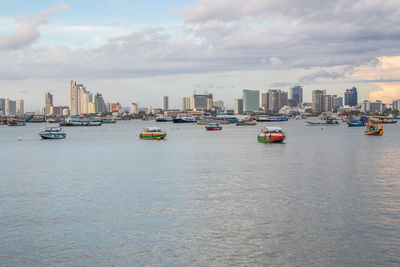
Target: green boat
[{"x": 152, "y": 133}]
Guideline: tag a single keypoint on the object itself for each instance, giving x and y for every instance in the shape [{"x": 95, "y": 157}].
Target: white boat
[
  {"x": 53, "y": 133},
  {"x": 80, "y": 122}
]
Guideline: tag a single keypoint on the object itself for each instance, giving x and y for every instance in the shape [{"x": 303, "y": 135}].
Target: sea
[{"x": 328, "y": 196}]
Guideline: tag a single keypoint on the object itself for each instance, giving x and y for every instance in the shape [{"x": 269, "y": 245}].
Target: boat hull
[
  {"x": 382, "y": 121},
  {"x": 53, "y": 136},
  {"x": 152, "y": 136},
  {"x": 355, "y": 123},
  {"x": 213, "y": 128},
  {"x": 271, "y": 138},
  {"x": 68, "y": 124},
  {"x": 376, "y": 133}
]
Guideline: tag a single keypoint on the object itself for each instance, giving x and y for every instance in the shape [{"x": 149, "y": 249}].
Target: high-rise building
[
  {"x": 201, "y": 102},
  {"x": 251, "y": 100},
  {"x": 57, "y": 110},
  {"x": 265, "y": 101},
  {"x": 2, "y": 107},
  {"x": 219, "y": 104},
  {"x": 48, "y": 101},
  {"x": 91, "y": 109},
  {"x": 238, "y": 109},
  {"x": 10, "y": 107},
  {"x": 165, "y": 103},
  {"x": 275, "y": 100},
  {"x": 327, "y": 105},
  {"x": 396, "y": 105},
  {"x": 368, "y": 106},
  {"x": 318, "y": 101},
  {"x": 185, "y": 103},
  {"x": 115, "y": 107},
  {"x": 350, "y": 97},
  {"x": 296, "y": 92},
  {"x": 134, "y": 108},
  {"x": 100, "y": 106},
  {"x": 74, "y": 99},
  {"x": 20, "y": 107}
]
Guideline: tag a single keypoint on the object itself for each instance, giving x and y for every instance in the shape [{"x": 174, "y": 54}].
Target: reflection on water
[{"x": 329, "y": 196}]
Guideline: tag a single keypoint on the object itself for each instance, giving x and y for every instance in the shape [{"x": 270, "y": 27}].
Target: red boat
[{"x": 213, "y": 127}]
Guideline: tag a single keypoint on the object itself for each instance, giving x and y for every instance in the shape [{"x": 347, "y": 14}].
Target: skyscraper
[
  {"x": 296, "y": 92},
  {"x": 238, "y": 106},
  {"x": 327, "y": 105},
  {"x": 202, "y": 101},
  {"x": 2, "y": 106},
  {"x": 10, "y": 107},
  {"x": 251, "y": 100},
  {"x": 165, "y": 103},
  {"x": 318, "y": 100},
  {"x": 351, "y": 97},
  {"x": 20, "y": 107},
  {"x": 275, "y": 100},
  {"x": 74, "y": 99},
  {"x": 185, "y": 103},
  {"x": 48, "y": 101},
  {"x": 265, "y": 101},
  {"x": 99, "y": 103}
]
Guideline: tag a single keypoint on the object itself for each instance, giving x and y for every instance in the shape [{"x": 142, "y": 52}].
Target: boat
[
  {"x": 15, "y": 123},
  {"x": 213, "y": 127},
  {"x": 108, "y": 121},
  {"x": 278, "y": 118},
  {"x": 271, "y": 135},
  {"x": 152, "y": 133},
  {"x": 184, "y": 119},
  {"x": 246, "y": 123},
  {"x": 373, "y": 129},
  {"x": 382, "y": 120},
  {"x": 355, "y": 123},
  {"x": 53, "y": 133},
  {"x": 80, "y": 122},
  {"x": 56, "y": 120},
  {"x": 327, "y": 121},
  {"x": 163, "y": 119}
]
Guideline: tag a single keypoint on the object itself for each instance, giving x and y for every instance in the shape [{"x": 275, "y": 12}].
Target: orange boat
[
  {"x": 373, "y": 129},
  {"x": 382, "y": 120}
]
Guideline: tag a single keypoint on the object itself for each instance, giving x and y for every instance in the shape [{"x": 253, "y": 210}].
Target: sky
[{"x": 138, "y": 51}]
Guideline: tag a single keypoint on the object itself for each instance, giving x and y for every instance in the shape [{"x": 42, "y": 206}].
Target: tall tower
[
  {"x": 74, "y": 99},
  {"x": 48, "y": 101},
  {"x": 165, "y": 103},
  {"x": 296, "y": 92}
]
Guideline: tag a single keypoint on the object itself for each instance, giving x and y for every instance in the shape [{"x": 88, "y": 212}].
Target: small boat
[
  {"x": 152, "y": 133},
  {"x": 382, "y": 120},
  {"x": 355, "y": 123},
  {"x": 246, "y": 123},
  {"x": 56, "y": 120},
  {"x": 328, "y": 121},
  {"x": 213, "y": 127},
  {"x": 373, "y": 129},
  {"x": 184, "y": 119},
  {"x": 80, "y": 122},
  {"x": 163, "y": 119},
  {"x": 15, "y": 123},
  {"x": 271, "y": 135},
  {"x": 53, "y": 133},
  {"x": 279, "y": 118}
]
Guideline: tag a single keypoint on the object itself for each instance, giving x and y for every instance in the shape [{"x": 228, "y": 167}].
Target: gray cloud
[
  {"x": 320, "y": 75},
  {"x": 27, "y": 31}
]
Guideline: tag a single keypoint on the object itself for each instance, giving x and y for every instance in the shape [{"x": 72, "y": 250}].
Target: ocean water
[{"x": 329, "y": 196}]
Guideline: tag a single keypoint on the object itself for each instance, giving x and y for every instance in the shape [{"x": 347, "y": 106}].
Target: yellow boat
[{"x": 373, "y": 129}]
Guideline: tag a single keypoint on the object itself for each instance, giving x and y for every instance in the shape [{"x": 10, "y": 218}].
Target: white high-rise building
[
  {"x": 10, "y": 107},
  {"x": 48, "y": 101},
  {"x": 74, "y": 99},
  {"x": 20, "y": 107}
]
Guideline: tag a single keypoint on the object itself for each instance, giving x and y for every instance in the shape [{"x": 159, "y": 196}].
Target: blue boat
[
  {"x": 53, "y": 133},
  {"x": 356, "y": 123}
]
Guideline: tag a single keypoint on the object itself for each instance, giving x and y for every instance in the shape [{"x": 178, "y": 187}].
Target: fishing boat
[
  {"x": 382, "y": 120},
  {"x": 15, "y": 123},
  {"x": 213, "y": 127},
  {"x": 246, "y": 123},
  {"x": 152, "y": 133},
  {"x": 53, "y": 133},
  {"x": 327, "y": 122},
  {"x": 271, "y": 135},
  {"x": 355, "y": 123},
  {"x": 373, "y": 129},
  {"x": 163, "y": 119},
  {"x": 80, "y": 122}
]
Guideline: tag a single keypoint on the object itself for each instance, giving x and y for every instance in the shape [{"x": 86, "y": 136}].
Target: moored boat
[
  {"x": 53, "y": 133},
  {"x": 328, "y": 121},
  {"x": 213, "y": 127},
  {"x": 163, "y": 119},
  {"x": 108, "y": 121},
  {"x": 15, "y": 123},
  {"x": 246, "y": 123},
  {"x": 184, "y": 119},
  {"x": 382, "y": 120},
  {"x": 271, "y": 135},
  {"x": 354, "y": 123},
  {"x": 373, "y": 129},
  {"x": 80, "y": 122},
  {"x": 152, "y": 133}
]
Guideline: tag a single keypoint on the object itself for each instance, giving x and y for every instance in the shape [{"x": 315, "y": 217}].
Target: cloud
[
  {"x": 320, "y": 75},
  {"x": 27, "y": 31}
]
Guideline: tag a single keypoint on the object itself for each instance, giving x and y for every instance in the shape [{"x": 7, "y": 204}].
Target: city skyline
[{"x": 178, "y": 47}]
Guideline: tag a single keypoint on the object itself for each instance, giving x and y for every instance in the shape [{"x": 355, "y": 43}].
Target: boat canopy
[
  {"x": 271, "y": 129},
  {"x": 152, "y": 129}
]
